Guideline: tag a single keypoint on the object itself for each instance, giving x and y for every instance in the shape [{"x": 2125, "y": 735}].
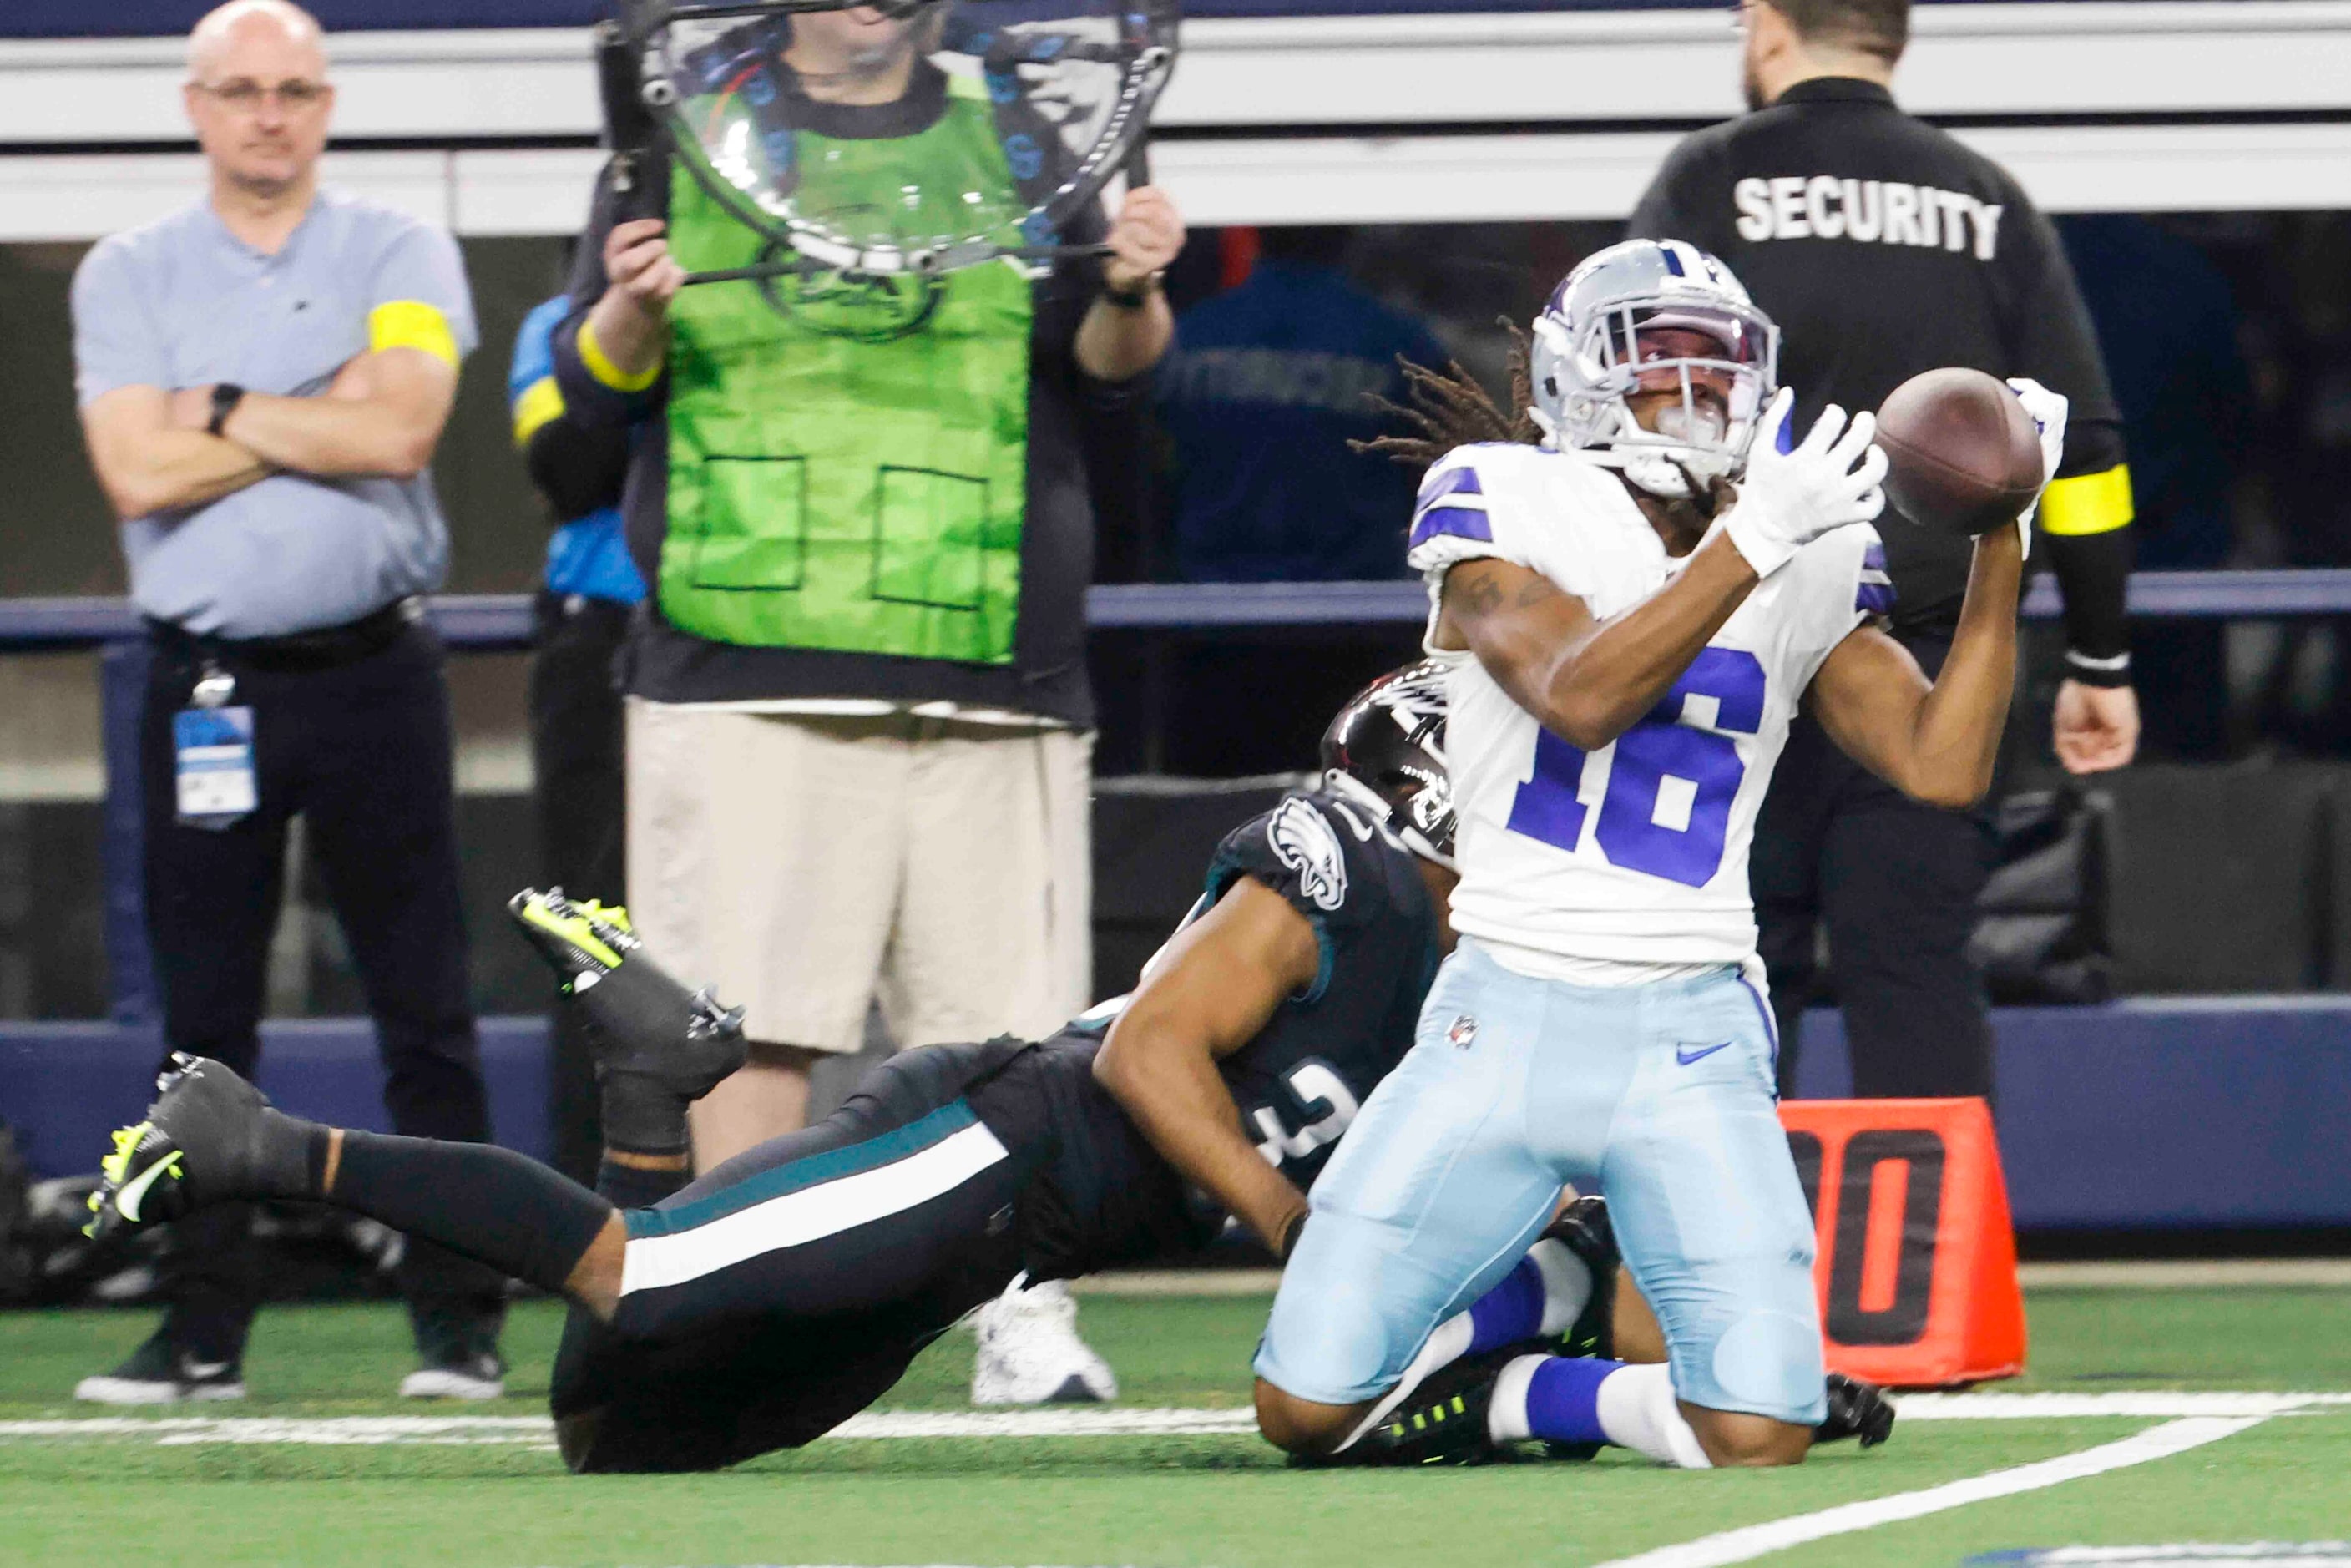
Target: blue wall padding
[
  {"x": 2219, "y": 1112},
  {"x": 2159, "y": 1114},
  {"x": 65, "y": 1086}
]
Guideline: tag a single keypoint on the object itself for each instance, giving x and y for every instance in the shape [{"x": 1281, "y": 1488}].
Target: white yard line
[
  {"x": 1101, "y": 1421},
  {"x": 2296, "y": 1553},
  {"x": 1761, "y": 1539},
  {"x": 2152, "y": 1407}
]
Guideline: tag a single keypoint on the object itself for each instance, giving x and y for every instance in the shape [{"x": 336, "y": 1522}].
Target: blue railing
[{"x": 496, "y": 623}]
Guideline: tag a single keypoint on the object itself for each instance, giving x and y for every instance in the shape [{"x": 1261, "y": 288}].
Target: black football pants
[
  {"x": 803, "y": 1276},
  {"x": 576, "y": 727},
  {"x": 1896, "y": 883},
  {"x": 362, "y": 753}
]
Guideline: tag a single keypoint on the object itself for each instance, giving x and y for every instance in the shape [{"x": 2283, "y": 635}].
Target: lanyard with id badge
[{"x": 212, "y": 745}]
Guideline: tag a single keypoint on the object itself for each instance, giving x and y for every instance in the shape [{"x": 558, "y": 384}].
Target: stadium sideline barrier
[{"x": 2196, "y": 1112}]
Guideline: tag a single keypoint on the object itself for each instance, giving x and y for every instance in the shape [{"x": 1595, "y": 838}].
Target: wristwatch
[
  {"x": 227, "y": 395},
  {"x": 1133, "y": 299}
]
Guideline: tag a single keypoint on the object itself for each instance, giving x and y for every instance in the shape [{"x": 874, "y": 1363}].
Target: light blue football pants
[{"x": 1659, "y": 1097}]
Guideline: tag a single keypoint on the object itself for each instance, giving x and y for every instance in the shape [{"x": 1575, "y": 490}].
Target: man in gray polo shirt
[{"x": 263, "y": 379}]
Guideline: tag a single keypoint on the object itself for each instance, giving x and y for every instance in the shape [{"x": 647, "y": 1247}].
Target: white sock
[
  {"x": 1568, "y": 1284},
  {"x": 1638, "y": 1411},
  {"x": 1506, "y": 1416}
]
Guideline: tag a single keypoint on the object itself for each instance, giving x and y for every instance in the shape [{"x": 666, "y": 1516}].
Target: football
[{"x": 1963, "y": 455}]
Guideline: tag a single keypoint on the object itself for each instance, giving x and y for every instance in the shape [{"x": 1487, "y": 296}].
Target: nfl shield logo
[{"x": 1463, "y": 1030}]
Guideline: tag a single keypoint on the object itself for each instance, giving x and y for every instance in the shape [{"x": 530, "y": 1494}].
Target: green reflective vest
[{"x": 829, "y": 491}]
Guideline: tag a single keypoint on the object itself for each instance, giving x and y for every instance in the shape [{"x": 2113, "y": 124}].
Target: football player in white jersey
[{"x": 1632, "y": 612}]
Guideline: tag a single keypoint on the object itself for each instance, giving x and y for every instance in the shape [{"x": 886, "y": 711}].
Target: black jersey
[
  {"x": 1882, "y": 247},
  {"x": 1110, "y": 1197}
]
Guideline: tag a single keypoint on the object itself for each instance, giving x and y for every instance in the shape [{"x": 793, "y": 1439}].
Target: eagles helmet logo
[{"x": 1303, "y": 840}]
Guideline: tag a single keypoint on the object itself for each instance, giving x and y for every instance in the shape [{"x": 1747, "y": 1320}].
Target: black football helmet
[{"x": 1386, "y": 752}]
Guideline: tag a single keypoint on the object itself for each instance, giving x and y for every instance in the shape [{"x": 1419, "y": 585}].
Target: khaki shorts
[{"x": 806, "y": 866}]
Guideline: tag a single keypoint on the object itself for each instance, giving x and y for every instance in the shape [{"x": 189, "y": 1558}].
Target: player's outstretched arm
[
  {"x": 1935, "y": 743},
  {"x": 1586, "y": 680},
  {"x": 1212, "y": 989}
]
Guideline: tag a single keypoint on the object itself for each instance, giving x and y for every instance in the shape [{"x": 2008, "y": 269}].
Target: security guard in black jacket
[{"x": 1882, "y": 247}]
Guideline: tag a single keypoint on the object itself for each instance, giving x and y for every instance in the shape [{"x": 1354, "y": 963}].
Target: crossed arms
[{"x": 382, "y": 415}]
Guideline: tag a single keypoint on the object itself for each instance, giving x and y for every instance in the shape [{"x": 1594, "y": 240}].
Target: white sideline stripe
[
  {"x": 810, "y": 1214},
  {"x": 366, "y": 1430},
  {"x": 1111, "y": 1421},
  {"x": 1180, "y": 1282},
  {"x": 1761, "y": 1539},
  {"x": 2189, "y": 1275}
]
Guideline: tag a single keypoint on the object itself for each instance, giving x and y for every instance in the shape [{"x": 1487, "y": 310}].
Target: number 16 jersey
[{"x": 1635, "y": 852}]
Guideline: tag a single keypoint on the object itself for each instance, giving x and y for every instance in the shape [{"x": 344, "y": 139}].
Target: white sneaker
[
  {"x": 1029, "y": 1351},
  {"x": 159, "y": 1373},
  {"x": 480, "y": 1377}
]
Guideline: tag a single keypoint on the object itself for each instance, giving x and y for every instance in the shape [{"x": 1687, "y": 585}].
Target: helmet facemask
[
  {"x": 1386, "y": 752},
  {"x": 1589, "y": 363}
]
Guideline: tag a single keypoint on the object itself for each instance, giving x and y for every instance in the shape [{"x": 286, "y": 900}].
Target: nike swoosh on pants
[{"x": 1684, "y": 1055}]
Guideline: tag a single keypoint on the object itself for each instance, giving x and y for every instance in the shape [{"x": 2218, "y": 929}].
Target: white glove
[
  {"x": 2048, "y": 409},
  {"x": 1788, "y": 499}
]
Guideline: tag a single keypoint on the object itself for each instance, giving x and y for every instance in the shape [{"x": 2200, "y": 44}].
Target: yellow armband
[
  {"x": 2087, "y": 503},
  {"x": 412, "y": 324},
  {"x": 600, "y": 364},
  {"x": 540, "y": 402}
]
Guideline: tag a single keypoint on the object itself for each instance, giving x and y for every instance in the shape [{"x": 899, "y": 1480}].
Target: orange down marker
[{"x": 1916, "y": 1269}]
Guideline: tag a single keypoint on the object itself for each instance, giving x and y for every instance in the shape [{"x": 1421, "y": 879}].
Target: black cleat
[
  {"x": 1444, "y": 1421},
  {"x": 1856, "y": 1409},
  {"x": 641, "y": 1021},
  {"x": 208, "y": 1137},
  {"x": 1583, "y": 1229}
]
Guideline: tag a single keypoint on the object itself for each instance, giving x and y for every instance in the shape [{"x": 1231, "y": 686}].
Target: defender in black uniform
[
  {"x": 763, "y": 1304},
  {"x": 1884, "y": 248}
]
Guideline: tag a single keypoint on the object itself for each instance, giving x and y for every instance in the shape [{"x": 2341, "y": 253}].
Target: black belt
[
  {"x": 325, "y": 648},
  {"x": 551, "y": 606}
]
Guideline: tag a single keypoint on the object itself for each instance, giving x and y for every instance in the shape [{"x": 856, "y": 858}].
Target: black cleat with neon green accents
[
  {"x": 1444, "y": 1420},
  {"x": 210, "y": 1137},
  {"x": 643, "y": 1023}
]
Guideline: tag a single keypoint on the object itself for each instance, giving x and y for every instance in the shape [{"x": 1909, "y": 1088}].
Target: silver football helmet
[{"x": 1626, "y": 321}]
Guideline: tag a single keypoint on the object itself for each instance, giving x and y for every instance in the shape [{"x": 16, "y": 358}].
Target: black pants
[
  {"x": 779, "y": 1344},
  {"x": 577, "y": 788},
  {"x": 361, "y": 752},
  {"x": 1896, "y": 882}
]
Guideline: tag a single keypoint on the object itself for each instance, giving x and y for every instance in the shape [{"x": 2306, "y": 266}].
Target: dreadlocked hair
[{"x": 1449, "y": 410}]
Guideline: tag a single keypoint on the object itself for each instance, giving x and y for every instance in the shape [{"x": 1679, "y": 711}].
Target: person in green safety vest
[{"x": 859, "y": 730}]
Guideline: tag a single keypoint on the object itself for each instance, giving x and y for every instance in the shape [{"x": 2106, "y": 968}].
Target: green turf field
[{"x": 297, "y": 1474}]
